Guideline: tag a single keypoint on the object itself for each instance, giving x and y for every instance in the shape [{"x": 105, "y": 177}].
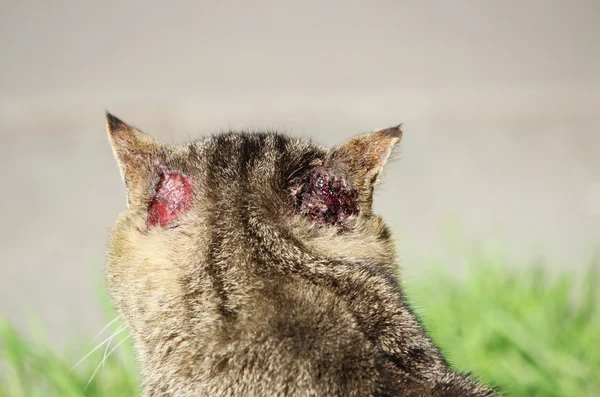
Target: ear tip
[
  {"x": 114, "y": 123},
  {"x": 394, "y": 132}
]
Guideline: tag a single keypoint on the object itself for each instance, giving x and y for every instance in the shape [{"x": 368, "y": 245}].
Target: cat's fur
[{"x": 247, "y": 294}]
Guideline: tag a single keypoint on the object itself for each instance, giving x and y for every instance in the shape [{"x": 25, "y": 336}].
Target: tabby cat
[{"x": 252, "y": 264}]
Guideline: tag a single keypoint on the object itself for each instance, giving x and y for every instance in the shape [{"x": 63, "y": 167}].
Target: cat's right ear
[{"x": 139, "y": 157}]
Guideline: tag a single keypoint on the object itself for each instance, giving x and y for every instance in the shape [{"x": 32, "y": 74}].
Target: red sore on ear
[
  {"x": 326, "y": 199},
  {"x": 173, "y": 198}
]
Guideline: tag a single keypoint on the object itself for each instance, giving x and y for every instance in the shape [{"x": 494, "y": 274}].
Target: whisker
[
  {"x": 104, "y": 329},
  {"x": 108, "y": 345},
  {"x": 104, "y": 359},
  {"x": 121, "y": 329}
]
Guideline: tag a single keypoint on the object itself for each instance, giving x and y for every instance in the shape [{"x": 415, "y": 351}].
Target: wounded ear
[
  {"x": 139, "y": 156},
  {"x": 363, "y": 158}
]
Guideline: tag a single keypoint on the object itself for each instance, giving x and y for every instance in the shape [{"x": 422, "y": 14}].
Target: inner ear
[{"x": 173, "y": 198}]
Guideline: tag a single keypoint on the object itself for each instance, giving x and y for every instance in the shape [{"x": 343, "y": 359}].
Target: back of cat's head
[{"x": 228, "y": 201}]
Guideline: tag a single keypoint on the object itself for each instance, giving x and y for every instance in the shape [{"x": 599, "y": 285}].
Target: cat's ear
[
  {"x": 139, "y": 156},
  {"x": 363, "y": 157}
]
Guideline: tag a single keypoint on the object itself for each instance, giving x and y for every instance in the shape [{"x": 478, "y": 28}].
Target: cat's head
[{"x": 232, "y": 199}]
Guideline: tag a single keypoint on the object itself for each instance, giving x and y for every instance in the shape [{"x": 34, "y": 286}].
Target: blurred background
[{"x": 500, "y": 104}]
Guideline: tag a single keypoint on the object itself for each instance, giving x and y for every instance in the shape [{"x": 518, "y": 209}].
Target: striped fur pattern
[{"x": 243, "y": 294}]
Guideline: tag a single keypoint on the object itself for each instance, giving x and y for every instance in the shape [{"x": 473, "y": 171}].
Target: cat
[{"x": 252, "y": 264}]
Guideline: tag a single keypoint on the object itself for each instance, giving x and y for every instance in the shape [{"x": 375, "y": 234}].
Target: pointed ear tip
[
  {"x": 394, "y": 132},
  {"x": 113, "y": 123}
]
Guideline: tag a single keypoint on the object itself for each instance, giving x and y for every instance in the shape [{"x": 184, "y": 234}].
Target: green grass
[
  {"x": 532, "y": 334},
  {"x": 30, "y": 368}
]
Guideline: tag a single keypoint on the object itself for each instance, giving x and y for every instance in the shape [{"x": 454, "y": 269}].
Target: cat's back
[{"x": 288, "y": 338}]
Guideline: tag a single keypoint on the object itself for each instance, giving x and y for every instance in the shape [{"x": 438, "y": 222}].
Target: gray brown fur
[{"x": 242, "y": 296}]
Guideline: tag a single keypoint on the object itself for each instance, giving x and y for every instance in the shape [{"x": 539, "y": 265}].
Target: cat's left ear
[
  {"x": 138, "y": 155},
  {"x": 363, "y": 157}
]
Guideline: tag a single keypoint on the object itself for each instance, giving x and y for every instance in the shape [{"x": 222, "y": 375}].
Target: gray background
[{"x": 499, "y": 100}]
